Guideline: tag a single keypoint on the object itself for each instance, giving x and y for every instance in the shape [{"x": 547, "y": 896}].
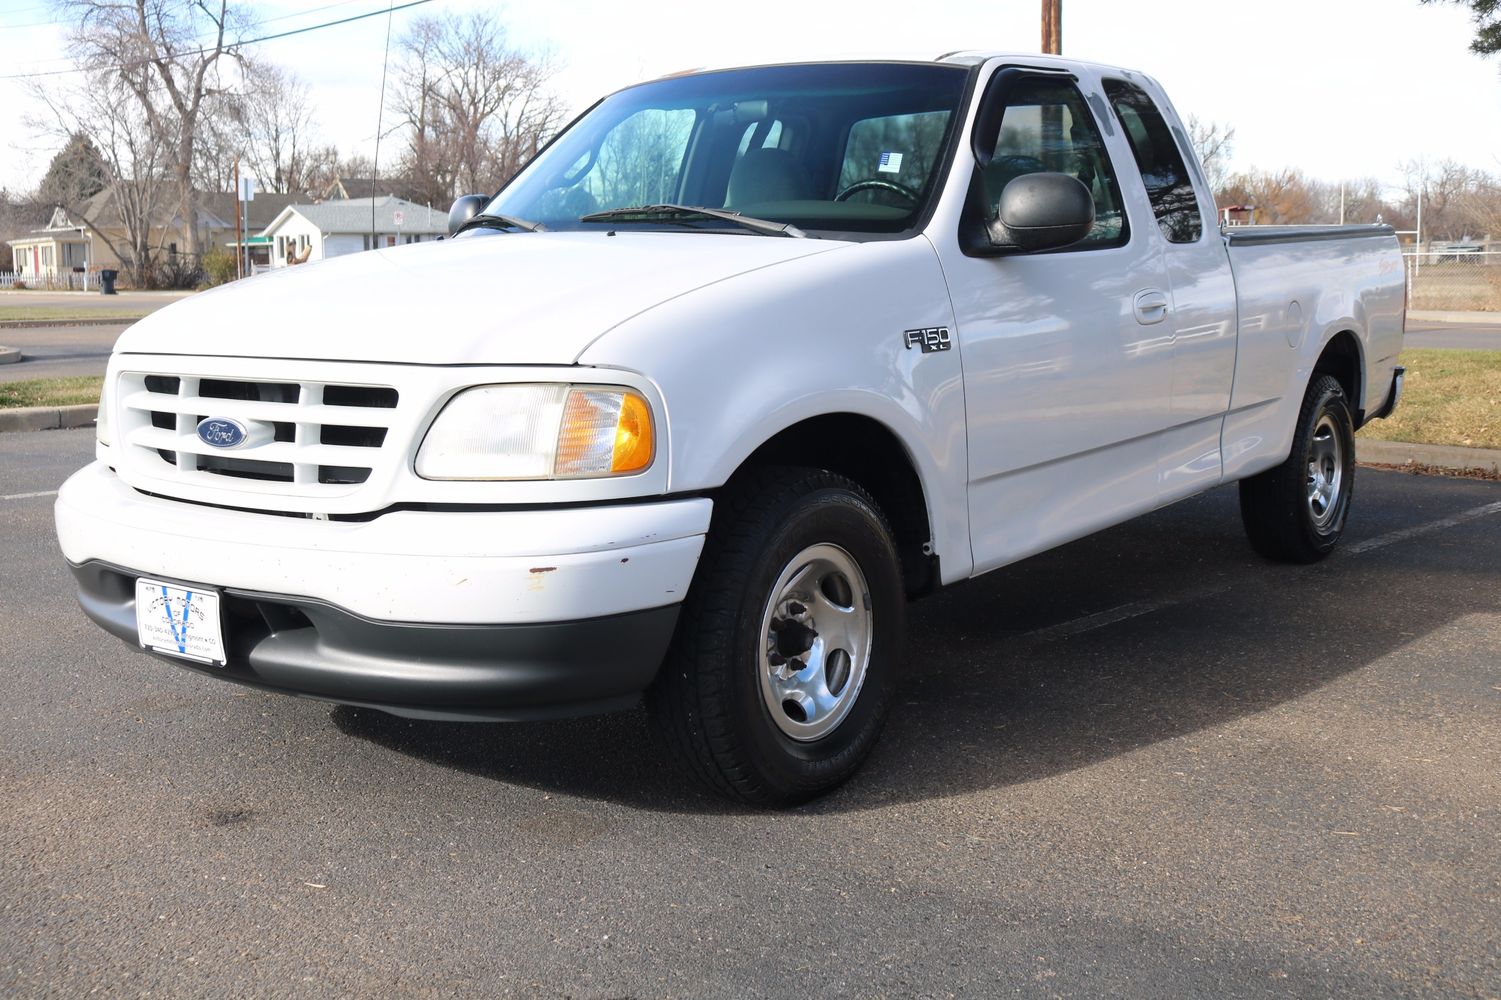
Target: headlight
[
  {"x": 534, "y": 431},
  {"x": 101, "y": 419}
]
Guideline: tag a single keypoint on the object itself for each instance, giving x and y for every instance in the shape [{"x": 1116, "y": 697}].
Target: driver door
[{"x": 1067, "y": 354}]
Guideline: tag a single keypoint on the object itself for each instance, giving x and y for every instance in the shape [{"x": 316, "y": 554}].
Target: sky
[{"x": 1338, "y": 88}]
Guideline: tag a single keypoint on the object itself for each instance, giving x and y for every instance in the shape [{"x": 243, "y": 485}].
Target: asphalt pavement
[
  {"x": 58, "y": 351},
  {"x": 1464, "y": 336},
  {"x": 1144, "y": 765}
]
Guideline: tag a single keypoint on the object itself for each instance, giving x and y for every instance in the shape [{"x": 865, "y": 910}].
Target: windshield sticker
[{"x": 891, "y": 163}]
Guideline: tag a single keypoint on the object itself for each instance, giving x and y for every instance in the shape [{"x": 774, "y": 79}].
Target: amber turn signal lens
[{"x": 633, "y": 435}]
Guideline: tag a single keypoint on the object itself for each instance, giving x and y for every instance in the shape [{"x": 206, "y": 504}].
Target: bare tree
[
  {"x": 137, "y": 156},
  {"x": 281, "y": 148},
  {"x": 1281, "y": 197},
  {"x": 1215, "y": 144},
  {"x": 474, "y": 108},
  {"x": 154, "y": 50},
  {"x": 1458, "y": 201}
]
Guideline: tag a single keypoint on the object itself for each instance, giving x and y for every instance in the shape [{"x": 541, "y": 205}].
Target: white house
[
  {"x": 61, "y": 246},
  {"x": 302, "y": 233}
]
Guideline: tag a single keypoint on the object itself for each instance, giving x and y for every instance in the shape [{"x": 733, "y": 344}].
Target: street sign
[
  {"x": 247, "y": 189},
  {"x": 400, "y": 218}
]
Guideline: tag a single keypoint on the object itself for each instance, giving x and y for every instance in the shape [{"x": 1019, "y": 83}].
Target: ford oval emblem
[{"x": 221, "y": 432}]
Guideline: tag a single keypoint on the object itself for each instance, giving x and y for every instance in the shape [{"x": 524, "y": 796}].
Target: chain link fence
[{"x": 1450, "y": 281}]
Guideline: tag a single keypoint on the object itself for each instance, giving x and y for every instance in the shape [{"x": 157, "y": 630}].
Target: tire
[
  {"x": 1296, "y": 512},
  {"x": 799, "y": 568}
]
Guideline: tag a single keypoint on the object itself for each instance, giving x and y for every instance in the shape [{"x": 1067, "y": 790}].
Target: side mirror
[
  {"x": 1042, "y": 211},
  {"x": 463, "y": 210}
]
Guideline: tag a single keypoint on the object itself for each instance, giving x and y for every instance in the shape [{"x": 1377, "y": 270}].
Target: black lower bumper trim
[
  {"x": 1392, "y": 396},
  {"x": 305, "y": 647}
]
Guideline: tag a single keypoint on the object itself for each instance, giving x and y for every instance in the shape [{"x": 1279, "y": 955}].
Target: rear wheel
[
  {"x": 1296, "y": 512},
  {"x": 779, "y": 677}
]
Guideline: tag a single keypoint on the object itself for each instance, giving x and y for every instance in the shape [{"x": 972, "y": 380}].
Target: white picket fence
[{"x": 79, "y": 281}]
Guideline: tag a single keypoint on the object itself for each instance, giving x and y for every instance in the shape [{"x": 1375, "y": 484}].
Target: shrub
[{"x": 218, "y": 266}]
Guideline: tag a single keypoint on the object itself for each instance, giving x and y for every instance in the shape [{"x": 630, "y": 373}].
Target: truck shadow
[{"x": 1006, "y": 686}]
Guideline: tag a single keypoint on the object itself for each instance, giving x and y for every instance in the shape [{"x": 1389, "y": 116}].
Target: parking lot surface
[{"x": 1146, "y": 764}]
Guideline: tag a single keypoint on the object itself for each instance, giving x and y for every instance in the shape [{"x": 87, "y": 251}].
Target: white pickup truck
[{"x": 739, "y": 364}]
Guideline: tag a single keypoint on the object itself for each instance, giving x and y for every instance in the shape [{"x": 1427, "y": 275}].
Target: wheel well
[
  {"x": 1341, "y": 359},
  {"x": 866, "y": 451}
]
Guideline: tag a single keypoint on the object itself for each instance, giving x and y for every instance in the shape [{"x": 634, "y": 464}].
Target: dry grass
[
  {"x": 1448, "y": 397},
  {"x": 51, "y": 391},
  {"x": 52, "y": 314}
]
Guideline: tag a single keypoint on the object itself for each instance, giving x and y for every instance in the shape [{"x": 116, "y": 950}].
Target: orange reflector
[{"x": 633, "y": 435}]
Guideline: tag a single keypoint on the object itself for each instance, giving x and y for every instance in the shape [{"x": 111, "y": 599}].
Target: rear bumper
[
  {"x": 1392, "y": 398},
  {"x": 308, "y": 648}
]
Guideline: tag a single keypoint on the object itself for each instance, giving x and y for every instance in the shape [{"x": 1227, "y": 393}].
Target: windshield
[{"x": 848, "y": 147}]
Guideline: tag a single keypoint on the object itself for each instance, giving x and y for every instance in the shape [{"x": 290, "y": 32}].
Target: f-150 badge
[{"x": 930, "y": 339}]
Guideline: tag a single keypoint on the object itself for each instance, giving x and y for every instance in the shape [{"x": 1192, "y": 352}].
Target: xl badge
[
  {"x": 221, "y": 432},
  {"x": 930, "y": 339}
]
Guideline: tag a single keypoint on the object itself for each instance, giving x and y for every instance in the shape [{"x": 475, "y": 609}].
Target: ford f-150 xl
[{"x": 736, "y": 366}]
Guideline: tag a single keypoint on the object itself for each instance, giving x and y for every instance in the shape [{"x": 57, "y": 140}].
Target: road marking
[
  {"x": 1423, "y": 529},
  {"x": 1135, "y": 609},
  {"x": 1121, "y": 613},
  {"x": 28, "y": 496}
]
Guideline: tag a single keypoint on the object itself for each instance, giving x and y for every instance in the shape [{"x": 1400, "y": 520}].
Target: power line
[
  {"x": 64, "y": 24},
  {"x": 246, "y": 41}
]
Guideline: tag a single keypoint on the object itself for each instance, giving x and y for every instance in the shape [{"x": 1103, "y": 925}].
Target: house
[
  {"x": 260, "y": 212},
  {"x": 335, "y": 228},
  {"x": 349, "y": 188},
  {"x": 65, "y": 245},
  {"x": 45, "y": 254}
]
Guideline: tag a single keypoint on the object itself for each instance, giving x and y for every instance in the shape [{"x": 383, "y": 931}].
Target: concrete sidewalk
[{"x": 1439, "y": 316}]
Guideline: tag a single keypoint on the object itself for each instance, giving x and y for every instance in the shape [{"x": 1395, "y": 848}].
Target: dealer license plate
[{"x": 179, "y": 621}]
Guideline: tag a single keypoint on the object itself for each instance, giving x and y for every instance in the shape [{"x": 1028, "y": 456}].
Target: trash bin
[{"x": 107, "y": 281}]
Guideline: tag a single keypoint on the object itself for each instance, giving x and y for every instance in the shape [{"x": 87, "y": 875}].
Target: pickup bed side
[{"x": 1321, "y": 298}]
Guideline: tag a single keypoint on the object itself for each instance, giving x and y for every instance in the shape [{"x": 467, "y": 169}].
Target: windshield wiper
[
  {"x": 667, "y": 212},
  {"x": 494, "y": 221}
]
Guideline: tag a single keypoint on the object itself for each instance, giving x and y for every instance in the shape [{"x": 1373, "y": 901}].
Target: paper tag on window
[{"x": 891, "y": 163}]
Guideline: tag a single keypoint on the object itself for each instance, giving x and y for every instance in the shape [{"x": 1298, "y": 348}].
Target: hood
[{"x": 497, "y": 298}]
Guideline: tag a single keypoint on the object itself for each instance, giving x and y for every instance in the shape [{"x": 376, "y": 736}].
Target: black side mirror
[
  {"x": 1042, "y": 211},
  {"x": 463, "y": 210}
]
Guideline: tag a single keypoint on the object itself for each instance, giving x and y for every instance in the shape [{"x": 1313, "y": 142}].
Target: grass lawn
[
  {"x": 51, "y": 391},
  {"x": 49, "y": 314},
  {"x": 1448, "y": 397}
]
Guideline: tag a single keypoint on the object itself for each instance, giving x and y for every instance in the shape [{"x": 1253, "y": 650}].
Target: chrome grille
[{"x": 324, "y": 439}]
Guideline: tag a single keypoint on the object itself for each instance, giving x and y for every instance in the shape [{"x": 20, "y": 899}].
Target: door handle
[{"x": 1150, "y": 306}]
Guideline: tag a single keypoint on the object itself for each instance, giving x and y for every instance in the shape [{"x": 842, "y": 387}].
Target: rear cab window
[{"x": 1163, "y": 172}]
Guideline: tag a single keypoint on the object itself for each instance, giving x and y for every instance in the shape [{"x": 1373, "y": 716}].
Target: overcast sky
[{"x": 1340, "y": 88}]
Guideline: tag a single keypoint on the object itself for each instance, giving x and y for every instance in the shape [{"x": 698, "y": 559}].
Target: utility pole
[
  {"x": 239, "y": 273},
  {"x": 1052, "y": 27}
]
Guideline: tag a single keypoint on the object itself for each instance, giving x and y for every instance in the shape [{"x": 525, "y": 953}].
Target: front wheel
[
  {"x": 780, "y": 675},
  {"x": 1296, "y": 512}
]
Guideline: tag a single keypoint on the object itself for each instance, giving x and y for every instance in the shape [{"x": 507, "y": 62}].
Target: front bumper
[{"x": 469, "y": 614}]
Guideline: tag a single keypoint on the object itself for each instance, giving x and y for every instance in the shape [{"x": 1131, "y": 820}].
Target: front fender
[{"x": 741, "y": 360}]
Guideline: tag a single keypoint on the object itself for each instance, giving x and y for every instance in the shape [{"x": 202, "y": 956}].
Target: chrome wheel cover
[
  {"x": 1326, "y": 474},
  {"x": 815, "y": 642}
]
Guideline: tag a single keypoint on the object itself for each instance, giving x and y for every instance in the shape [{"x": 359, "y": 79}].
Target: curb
[
  {"x": 1436, "y": 455},
  {"x": 9, "y": 355},
  {"x": 1439, "y": 316},
  {"x": 48, "y": 418},
  {"x": 37, "y": 324}
]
